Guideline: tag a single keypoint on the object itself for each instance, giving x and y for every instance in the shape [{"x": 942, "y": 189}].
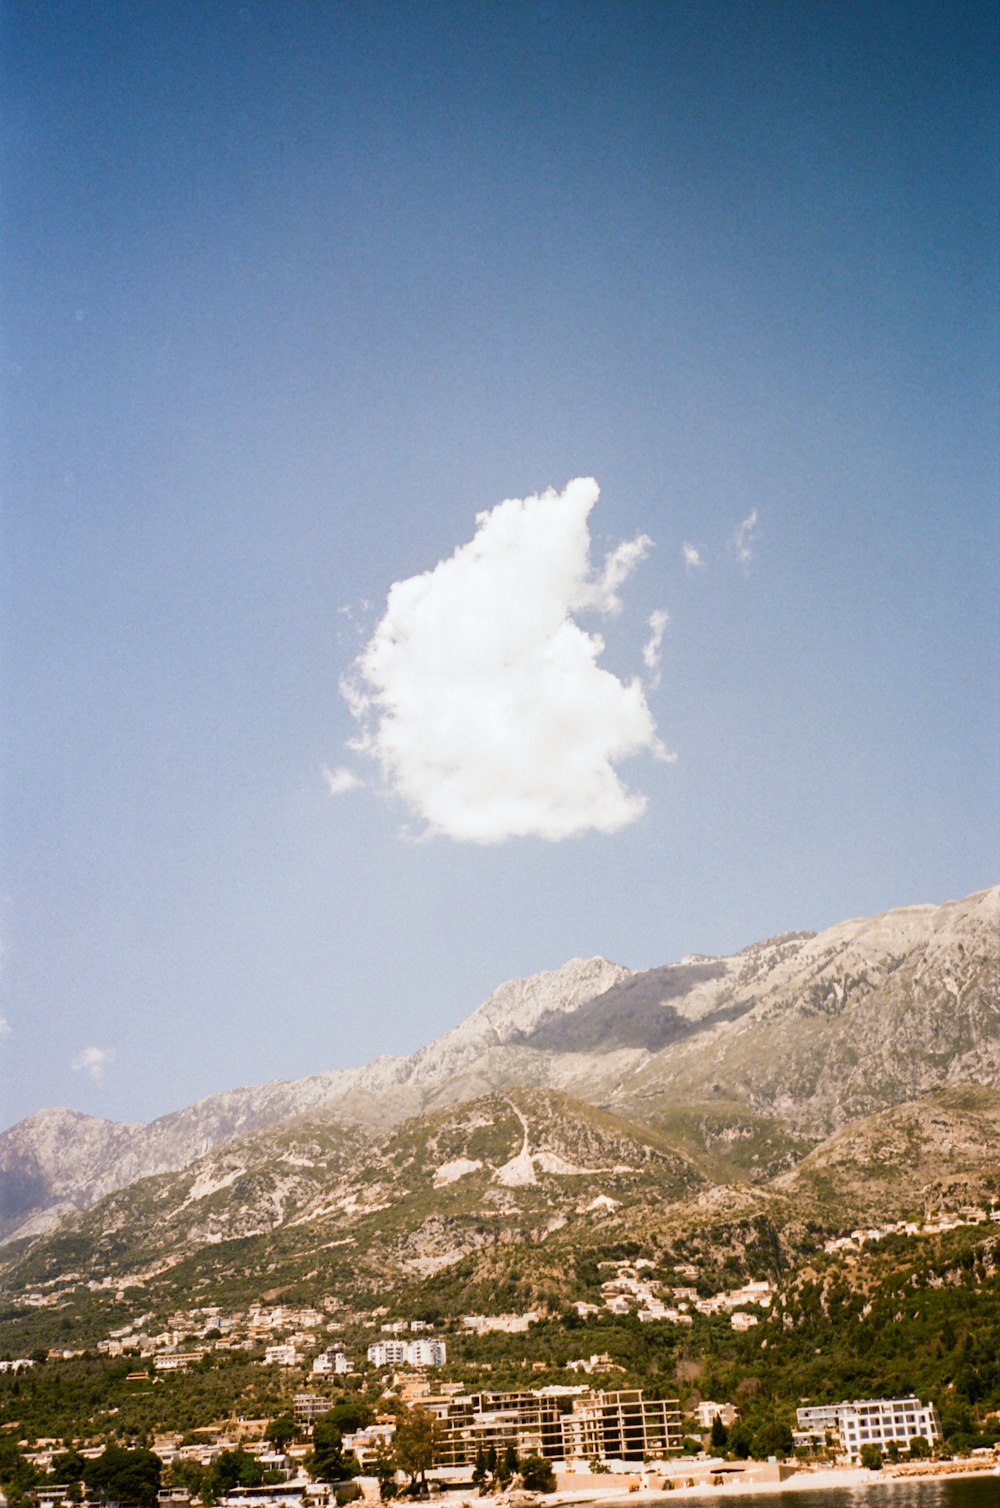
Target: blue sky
[{"x": 292, "y": 294}]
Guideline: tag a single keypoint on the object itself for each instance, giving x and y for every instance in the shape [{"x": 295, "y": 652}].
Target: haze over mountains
[{"x": 745, "y": 1064}]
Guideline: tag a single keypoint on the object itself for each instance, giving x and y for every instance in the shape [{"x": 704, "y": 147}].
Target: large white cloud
[{"x": 480, "y": 697}]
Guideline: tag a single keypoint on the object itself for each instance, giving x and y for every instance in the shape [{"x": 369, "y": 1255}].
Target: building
[
  {"x": 708, "y": 1413},
  {"x": 282, "y": 1356},
  {"x": 425, "y": 1352},
  {"x": 330, "y": 1364},
  {"x": 387, "y": 1353},
  {"x": 868, "y": 1421},
  {"x": 308, "y": 1407},
  {"x": 557, "y": 1423},
  {"x": 178, "y": 1361}
]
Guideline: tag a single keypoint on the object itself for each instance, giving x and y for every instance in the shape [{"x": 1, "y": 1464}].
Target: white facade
[
  {"x": 872, "y": 1421},
  {"x": 707, "y": 1413},
  {"x": 426, "y": 1352},
  {"x": 331, "y": 1364},
  {"x": 282, "y": 1356}
]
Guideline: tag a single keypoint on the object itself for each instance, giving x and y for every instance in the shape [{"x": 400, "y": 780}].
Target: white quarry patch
[
  {"x": 207, "y": 1183},
  {"x": 517, "y": 1173},
  {"x": 449, "y": 1172},
  {"x": 551, "y": 1162},
  {"x": 604, "y": 1202}
]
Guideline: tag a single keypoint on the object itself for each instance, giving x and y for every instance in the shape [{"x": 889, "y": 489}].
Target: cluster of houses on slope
[
  {"x": 931, "y": 1225},
  {"x": 632, "y": 1289}
]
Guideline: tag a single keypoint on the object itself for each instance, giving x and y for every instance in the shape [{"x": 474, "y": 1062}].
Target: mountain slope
[{"x": 746, "y": 1061}]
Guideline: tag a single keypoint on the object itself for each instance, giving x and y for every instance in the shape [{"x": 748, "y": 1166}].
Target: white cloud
[
  {"x": 743, "y": 540},
  {"x": 480, "y": 697},
  {"x": 340, "y": 780},
  {"x": 692, "y": 557},
  {"x": 658, "y": 622},
  {"x": 5, "y": 1027},
  {"x": 93, "y": 1061}
]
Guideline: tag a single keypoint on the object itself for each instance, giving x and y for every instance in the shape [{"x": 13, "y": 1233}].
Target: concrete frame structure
[{"x": 557, "y": 1423}]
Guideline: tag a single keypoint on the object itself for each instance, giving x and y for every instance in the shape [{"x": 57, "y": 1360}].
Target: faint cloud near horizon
[
  {"x": 479, "y": 696},
  {"x": 93, "y": 1061}
]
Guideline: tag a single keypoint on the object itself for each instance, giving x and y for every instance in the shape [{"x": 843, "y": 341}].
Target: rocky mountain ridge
[{"x": 756, "y": 1057}]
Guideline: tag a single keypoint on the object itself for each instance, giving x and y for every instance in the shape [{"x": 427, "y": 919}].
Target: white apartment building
[
  {"x": 425, "y": 1352},
  {"x": 282, "y": 1356},
  {"x": 871, "y": 1421},
  {"x": 331, "y": 1364},
  {"x": 388, "y": 1353}
]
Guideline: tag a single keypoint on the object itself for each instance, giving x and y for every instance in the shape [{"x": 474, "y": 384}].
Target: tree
[
  {"x": 771, "y": 1439},
  {"x": 183, "y": 1472},
  {"x": 417, "y": 1440},
  {"x": 68, "y": 1466},
  {"x": 383, "y": 1468},
  {"x": 349, "y": 1415},
  {"x": 720, "y": 1435},
  {"x": 329, "y": 1461},
  {"x": 919, "y": 1448},
  {"x": 129, "y": 1476},
  {"x": 280, "y": 1431},
  {"x": 508, "y": 1466},
  {"x": 871, "y": 1457},
  {"x": 233, "y": 1468},
  {"x": 537, "y": 1474}
]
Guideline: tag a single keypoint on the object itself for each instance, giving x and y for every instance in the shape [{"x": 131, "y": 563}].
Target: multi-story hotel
[{"x": 868, "y": 1421}]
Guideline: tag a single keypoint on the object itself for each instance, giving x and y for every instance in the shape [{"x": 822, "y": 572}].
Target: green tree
[
  {"x": 537, "y": 1474},
  {"x": 417, "y": 1441},
  {"x": 17, "y": 1474},
  {"x": 720, "y": 1435},
  {"x": 383, "y": 1468},
  {"x": 329, "y": 1462},
  {"x": 128, "y": 1476},
  {"x": 68, "y": 1466},
  {"x": 280, "y": 1431},
  {"x": 233, "y": 1468},
  {"x": 508, "y": 1466},
  {"x": 871, "y": 1457}
]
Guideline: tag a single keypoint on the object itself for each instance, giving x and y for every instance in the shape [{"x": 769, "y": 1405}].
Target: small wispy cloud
[
  {"x": 6, "y": 1029},
  {"x": 480, "y": 697},
  {"x": 340, "y": 780},
  {"x": 658, "y": 622},
  {"x": 691, "y": 556},
  {"x": 93, "y": 1061},
  {"x": 743, "y": 539}
]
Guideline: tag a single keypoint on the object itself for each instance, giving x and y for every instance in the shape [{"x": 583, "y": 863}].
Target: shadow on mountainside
[{"x": 634, "y": 1014}]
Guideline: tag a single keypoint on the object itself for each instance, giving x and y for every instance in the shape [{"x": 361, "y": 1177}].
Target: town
[{"x": 369, "y": 1403}]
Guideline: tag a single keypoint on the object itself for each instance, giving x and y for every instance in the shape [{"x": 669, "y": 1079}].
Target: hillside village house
[{"x": 868, "y": 1421}]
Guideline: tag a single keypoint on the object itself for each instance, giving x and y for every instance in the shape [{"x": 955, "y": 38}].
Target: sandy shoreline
[{"x": 803, "y": 1481}]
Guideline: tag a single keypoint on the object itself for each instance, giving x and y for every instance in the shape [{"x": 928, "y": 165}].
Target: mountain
[{"x": 746, "y": 1063}]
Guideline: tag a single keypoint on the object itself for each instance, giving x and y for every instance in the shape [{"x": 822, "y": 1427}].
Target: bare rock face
[
  {"x": 811, "y": 1031},
  {"x": 57, "y": 1159}
]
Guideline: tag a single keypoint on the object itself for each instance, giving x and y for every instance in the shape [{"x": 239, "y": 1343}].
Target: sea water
[{"x": 926, "y": 1492}]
